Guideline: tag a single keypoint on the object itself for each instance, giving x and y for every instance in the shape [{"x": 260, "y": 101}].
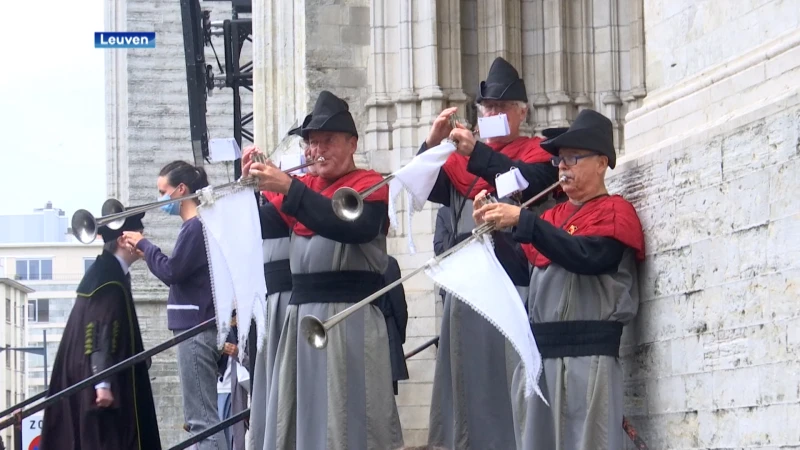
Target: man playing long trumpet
[
  {"x": 471, "y": 405},
  {"x": 339, "y": 397},
  {"x": 583, "y": 290},
  {"x": 276, "y": 237}
]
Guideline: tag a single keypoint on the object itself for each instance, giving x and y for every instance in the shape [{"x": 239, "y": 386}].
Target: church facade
[{"x": 705, "y": 99}]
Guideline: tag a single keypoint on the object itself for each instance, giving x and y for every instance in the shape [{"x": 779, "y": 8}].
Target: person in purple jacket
[{"x": 186, "y": 272}]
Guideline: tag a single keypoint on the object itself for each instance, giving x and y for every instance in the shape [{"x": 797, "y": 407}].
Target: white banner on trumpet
[
  {"x": 417, "y": 179},
  {"x": 236, "y": 265},
  {"x": 474, "y": 276}
]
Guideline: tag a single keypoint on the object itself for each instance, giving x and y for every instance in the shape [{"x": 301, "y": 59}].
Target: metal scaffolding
[{"x": 198, "y": 32}]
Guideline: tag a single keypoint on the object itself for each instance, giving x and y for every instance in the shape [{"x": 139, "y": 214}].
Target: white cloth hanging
[
  {"x": 417, "y": 179},
  {"x": 474, "y": 276},
  {"x": 232, "y": 231}
]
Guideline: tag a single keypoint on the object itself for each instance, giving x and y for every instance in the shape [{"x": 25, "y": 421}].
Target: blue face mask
[{"x": 173, "y": 209}]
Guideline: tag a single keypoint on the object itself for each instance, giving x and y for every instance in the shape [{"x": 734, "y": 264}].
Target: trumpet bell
[
  {"x": 84, "y": 227},
  {"x": 113, "y": 206},
  {"x": 314, "y": 331},
  {"x": 347, "y": 204}
]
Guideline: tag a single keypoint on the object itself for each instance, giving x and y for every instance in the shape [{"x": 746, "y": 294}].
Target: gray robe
[
  {"x": 585, "y": 393},
  {"x": 471, "y": 408},
  {"x": 262, "y": 380},
  {"x": 340, "y": 397}
]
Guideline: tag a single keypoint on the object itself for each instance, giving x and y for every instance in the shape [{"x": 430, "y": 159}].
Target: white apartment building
[{"x": 12, "y": 335}]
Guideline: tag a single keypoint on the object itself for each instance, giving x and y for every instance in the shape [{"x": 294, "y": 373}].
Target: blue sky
[{"x": 52, "y": 107}]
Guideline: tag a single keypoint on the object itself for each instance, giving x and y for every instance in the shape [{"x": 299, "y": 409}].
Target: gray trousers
[{"x": 197, "y": 369}]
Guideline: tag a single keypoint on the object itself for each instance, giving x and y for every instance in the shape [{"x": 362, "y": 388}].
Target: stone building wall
[{"x": 712, "y": 165}]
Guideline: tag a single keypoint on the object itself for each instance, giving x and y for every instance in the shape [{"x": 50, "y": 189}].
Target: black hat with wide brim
[
  {"x": 590, "y": 131},
  {"x": 330, "y": 114},
  {"x": 502, "y": 83},
  {"x": 550, "y": 133},
  {"x": 298, "y": 131},
  {"x": 132, "y": 223}
]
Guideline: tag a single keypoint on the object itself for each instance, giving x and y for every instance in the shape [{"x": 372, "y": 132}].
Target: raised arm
[
  {"x": 315, "y": 211},
  {"x": 441, "y": 189},
  {"x": 487, "y": 164},
  {"x": 584, "y": 255}
]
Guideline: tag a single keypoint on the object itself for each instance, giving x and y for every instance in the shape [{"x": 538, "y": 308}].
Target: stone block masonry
[{"x": 711, "y": 361}]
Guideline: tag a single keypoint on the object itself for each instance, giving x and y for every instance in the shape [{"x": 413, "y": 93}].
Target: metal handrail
[
  {"x": 24, "y": 403},
  {"x": 423, "y": 347},
  {"x": 16, "y": 419},
  {"x": 230, "y": 421}
]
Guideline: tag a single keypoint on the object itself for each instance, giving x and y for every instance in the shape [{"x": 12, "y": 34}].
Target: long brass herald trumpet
[
  {"x": 348, "y": 204},
  {"x": 316, "y": 331},
  {"x": 85, "y": 225}
]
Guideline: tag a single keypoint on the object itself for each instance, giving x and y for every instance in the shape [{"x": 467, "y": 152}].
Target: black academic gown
[{"x": 102, "y": 330}]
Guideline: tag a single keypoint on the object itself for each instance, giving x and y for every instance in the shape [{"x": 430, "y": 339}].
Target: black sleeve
[
  {"x": 440, "y": 234},
  {"x": 441, "y": 189},
  {"x": 510, "y": 255},
  {"x": 487, "y": 164},
  {"x": 584, "y": 255},
  {"x": 101, "y": 357},
  {"x": 397, "y": 297},
  {"x": 315, "y": 211},
  {"x": 106, "y": 334},
  {"x": 272, "y": 224}
]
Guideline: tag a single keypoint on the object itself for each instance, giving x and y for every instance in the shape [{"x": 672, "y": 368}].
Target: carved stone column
[
  {"x": 426, "y": 59},
  {"x": 449, "y": 46},
  {"x": 117, "y": 167},
  {"x": 607, "y": 56},
  {"x": 378, "y": 132},
  {"x": 556, "y": 63},
  {"x": 637, "y": 89},
  {"x": 403, "y": 135},
  {"x": 280, "y": 96},
  {"x": 533, "y": 62},
  {"x": 582, "y": 54},
  {"x": 499, "y": 32}
]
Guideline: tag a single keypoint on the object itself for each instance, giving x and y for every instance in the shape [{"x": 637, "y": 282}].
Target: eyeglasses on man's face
[{"x": 569, "y": 160}]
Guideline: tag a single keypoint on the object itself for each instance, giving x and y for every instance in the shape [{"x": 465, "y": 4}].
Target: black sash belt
[
  {"x": 578, "y": 338},
  {"x": 278, "y": 276},
  {"x": 334, "y": 287}
]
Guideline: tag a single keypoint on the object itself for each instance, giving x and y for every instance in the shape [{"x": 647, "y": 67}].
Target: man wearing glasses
[{"x": 583, "y": 290}]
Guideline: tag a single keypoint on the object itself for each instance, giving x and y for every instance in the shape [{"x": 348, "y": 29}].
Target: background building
[
  {"x": 46, "y": 224},
  {"x": 12, "y": 334},
  {"x": 52, "y": 262},
  {"x": 705, "y": 98}
]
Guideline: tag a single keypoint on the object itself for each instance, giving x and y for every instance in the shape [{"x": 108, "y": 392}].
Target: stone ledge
[
  {"x": 704, "y": 132},
  {"x": 715, "y": 74}
]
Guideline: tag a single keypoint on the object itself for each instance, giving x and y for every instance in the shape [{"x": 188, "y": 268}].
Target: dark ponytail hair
[{"x": 181, "y": 172}]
